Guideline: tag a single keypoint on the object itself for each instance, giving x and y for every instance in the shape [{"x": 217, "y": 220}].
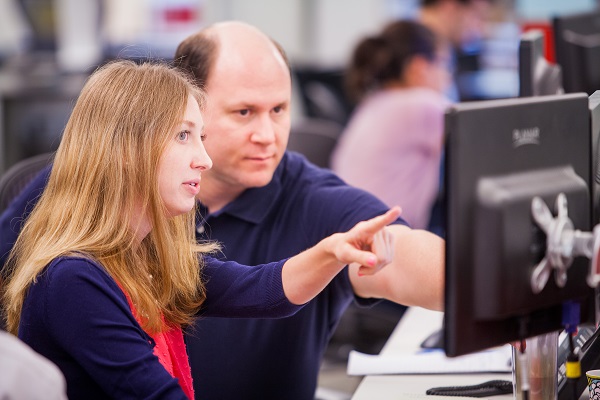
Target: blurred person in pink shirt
[{"x": 392, "y": 146}]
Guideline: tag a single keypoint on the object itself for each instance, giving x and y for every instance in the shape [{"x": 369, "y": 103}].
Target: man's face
[
  {"x": 471, "y": 21},
  {"x": 247, "y": 118}
]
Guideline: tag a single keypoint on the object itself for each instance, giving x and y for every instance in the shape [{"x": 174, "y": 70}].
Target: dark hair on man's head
[
  {"x": 382, "y": 58},
  {"x": 197, "y": 54}
]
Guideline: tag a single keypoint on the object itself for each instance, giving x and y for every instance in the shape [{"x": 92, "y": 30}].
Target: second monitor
[{"x": 537, "y": 76}]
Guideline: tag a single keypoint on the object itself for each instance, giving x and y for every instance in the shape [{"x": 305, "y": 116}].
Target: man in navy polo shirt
[{"x": 264, "y": 204}]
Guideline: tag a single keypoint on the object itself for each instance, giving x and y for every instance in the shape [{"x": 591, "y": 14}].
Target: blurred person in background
[
  {"x": 459, "y": 22},
  {"x": 392, "y": 146}
]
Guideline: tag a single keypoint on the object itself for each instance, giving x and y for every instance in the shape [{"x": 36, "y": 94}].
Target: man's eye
[
  {"x": 278, "y": 109},
  {"x": 183, "y": 135},
  {"x": 244, "y": 112}
]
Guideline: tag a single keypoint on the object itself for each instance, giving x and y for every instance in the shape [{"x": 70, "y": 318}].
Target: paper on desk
[{"x": 430, "y": 362}]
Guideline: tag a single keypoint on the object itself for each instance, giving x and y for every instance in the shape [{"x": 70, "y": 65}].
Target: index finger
[{"x": 376, "y": 224}]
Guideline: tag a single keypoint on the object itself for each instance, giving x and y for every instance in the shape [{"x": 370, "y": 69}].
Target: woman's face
[
  {"x": 438, "y": 75},
  {"x": 182, "y": 162}
]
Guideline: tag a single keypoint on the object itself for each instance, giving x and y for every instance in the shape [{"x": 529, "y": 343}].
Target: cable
[
  {"x": 591, "y": 340},
  {"x": 570, "y": 317}
]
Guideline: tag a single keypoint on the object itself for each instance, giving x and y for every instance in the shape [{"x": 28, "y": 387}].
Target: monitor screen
[
  {"x": 537, "y": 76},
  {"x": 500, "y": 154},
  {"x": 577, "y": 42}
]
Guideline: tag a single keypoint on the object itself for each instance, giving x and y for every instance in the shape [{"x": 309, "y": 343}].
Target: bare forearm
[
  {"x": 421, "y": 271},
  {"x": 415, "y": 277}
]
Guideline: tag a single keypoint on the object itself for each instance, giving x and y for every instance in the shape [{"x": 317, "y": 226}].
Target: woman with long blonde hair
[{"x": 105, "y": 274}]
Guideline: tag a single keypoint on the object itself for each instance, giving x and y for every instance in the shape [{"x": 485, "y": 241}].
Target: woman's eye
[
  {"x": 183, "y": 135},
  {"x": 244, "y": 112}
]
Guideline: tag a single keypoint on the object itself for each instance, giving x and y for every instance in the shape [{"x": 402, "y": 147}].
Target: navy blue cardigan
[{"x": 77, "y": 316}]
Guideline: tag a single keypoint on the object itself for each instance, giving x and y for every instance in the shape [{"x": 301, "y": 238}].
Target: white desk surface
[{"x": 416, "y": 324}]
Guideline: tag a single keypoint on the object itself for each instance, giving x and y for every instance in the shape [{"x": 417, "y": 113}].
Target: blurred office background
[{"x": 49, "y": 47}]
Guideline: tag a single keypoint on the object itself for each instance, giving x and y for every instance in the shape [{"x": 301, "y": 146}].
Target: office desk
[{"x": 416, "y": 325}]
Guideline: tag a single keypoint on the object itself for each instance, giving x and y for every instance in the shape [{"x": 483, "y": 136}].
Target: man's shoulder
[
  {"x": 298, "y": 175},
  {"x": 324, "y": 196},
  {"x": 296, "y": 171}
]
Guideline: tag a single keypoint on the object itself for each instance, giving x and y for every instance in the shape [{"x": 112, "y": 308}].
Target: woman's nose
[{"x": 201, "y": 159}]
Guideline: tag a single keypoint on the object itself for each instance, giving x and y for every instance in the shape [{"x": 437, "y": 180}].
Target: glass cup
[{"x": 539, "y": 366}]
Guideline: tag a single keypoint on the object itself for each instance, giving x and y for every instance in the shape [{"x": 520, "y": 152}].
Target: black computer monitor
[
  {"x": 537, "y": 76},
  {"x": 594, "y": 106},
  {"x": 499, "y": 155},
  {"x": 585, "y": 340},
  {"x": 577, "y": 44}
]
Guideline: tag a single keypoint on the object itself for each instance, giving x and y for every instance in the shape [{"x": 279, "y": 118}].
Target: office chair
[
  {"x": 315, "y": 138},
  {"x": 322, "y": 93},
  {"x": 14, "y": 180}
]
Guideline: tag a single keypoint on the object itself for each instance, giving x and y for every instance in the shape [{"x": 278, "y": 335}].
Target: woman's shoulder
[
  {"x": 68, "y": 262},
  {"x": 76, "y": 267},
  {"x": 422, "y": 102},
  {"x": 73, "y": 278},
  {"x": 409, "y": 95},
  {"x": 422, "y": 96}
]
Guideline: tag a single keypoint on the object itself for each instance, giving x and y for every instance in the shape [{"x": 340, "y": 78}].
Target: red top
[{"x": 170, "y": 350}]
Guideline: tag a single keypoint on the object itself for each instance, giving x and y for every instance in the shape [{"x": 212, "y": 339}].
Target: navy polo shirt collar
[{"x": 254, "y": 204}]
